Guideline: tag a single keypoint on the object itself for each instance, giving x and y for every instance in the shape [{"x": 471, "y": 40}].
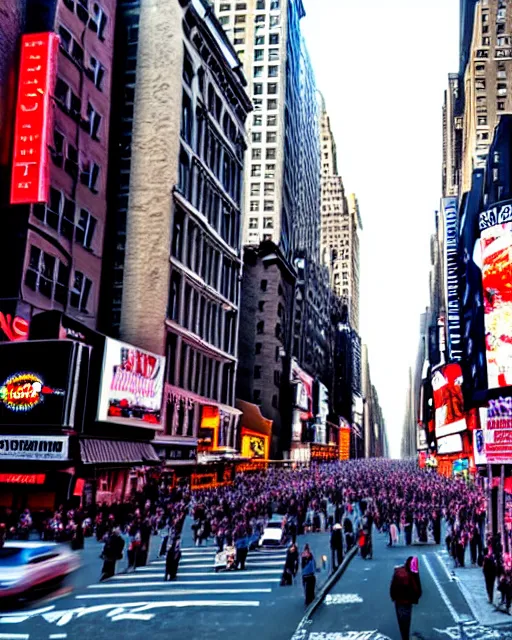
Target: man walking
[
  {"x": 112, "y": 552},
  {"x": 405, "y": 591}
]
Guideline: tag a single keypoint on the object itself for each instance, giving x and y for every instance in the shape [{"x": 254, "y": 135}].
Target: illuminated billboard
[
  {"x": 448, "y": 400},
  {"x": 496, "y": 249},
  {"x": 449, "y": 209},
  {"x": 131, "y": 388},
  {"x": 254, "y": 445},
  {"x": 33, "y": 125},
  {"x": 498, "y": 431}
]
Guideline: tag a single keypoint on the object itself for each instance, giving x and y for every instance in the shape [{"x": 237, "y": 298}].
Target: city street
[
  {"x": 359, "y": 606},
  {"x": 200, "y": 603}
]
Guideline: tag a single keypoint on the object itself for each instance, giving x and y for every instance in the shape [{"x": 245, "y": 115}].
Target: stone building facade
[{"x": 182, "y": 262}]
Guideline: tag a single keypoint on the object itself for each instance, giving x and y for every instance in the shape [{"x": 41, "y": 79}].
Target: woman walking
[
  {"x": 308, "y": 575},
  {"x": 291, "y": 566}
]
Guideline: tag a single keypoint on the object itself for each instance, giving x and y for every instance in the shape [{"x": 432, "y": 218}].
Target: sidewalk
[{"x": 472, "y": 585}]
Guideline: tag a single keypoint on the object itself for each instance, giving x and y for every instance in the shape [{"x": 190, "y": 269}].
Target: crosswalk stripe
[
  {"x": 255, "y": 558},
  {"x": 162, "y": 583},
  {"x": 210, "y": 565},
  {"x": 177, "y": 592},
  {"x": 129, "y": 576}
]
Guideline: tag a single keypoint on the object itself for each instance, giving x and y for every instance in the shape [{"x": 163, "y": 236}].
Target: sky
[{"x": 382, "y": 66}]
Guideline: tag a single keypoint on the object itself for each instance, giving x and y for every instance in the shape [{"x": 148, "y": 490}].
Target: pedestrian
[
  {"x": 308, "y": 566},
  {"x": 336, "y": 546},
  {"x": 242, "y": 549},
  {"x": 112, "y": 552},
  {"x": 172, "y": 559},
  {"x": 475, "y": 545},
  {"x": 405, "y": 592},
  {"x": 489, "y": 570},
  {"x": 348, "y": 528},
  {"x": 291, "y": 566}
]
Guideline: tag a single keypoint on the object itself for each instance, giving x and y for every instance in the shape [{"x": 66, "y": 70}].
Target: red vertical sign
[{"x": 30, "y": 169}]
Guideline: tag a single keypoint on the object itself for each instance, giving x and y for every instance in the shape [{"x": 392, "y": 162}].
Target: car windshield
[
  {"x": 274, "y": 525},
  {"x": 11, "y": 557}
]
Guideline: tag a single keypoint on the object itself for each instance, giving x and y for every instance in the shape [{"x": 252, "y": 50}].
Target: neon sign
[
  {"x": 15, "y": 328},
  {"x": 24, "y": 391},
  {"x": 30, "y": 170},
  {"x": 23, "y": 478}
]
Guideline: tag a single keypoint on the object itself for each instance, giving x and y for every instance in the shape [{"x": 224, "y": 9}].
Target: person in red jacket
[{"x": 405, "y": 591}]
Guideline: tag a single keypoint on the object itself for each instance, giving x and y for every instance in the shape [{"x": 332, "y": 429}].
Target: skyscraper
[{"x": 282, "y": 188}]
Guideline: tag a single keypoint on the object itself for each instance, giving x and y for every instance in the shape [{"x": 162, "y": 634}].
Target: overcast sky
[{"x": 382, "y": 66}]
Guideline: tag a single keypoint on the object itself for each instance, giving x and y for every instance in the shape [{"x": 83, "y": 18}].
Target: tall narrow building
[
  {"x": 487, "y": 82},
  {"x": 282, "y": 186}
]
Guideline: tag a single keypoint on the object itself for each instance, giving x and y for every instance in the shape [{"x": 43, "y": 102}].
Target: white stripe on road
[
  {"x": 206, "y": 566},
  {"x": 58, "y": 636},
  {"x": 249, "y": 559},
  {"x": 182, "y": 592},
  {"x": 14, "y": 636},
  {"x": 162, "y": 583},
  {"x": 451, "y": 577},
  {"x": 225, "y": 574},
  {"x": 442, "y": 592}
]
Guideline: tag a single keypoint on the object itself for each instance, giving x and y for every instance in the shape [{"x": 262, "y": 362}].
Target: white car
[
  {"x": 25, "y": 565},
  {"x": 273, "y": 534}
]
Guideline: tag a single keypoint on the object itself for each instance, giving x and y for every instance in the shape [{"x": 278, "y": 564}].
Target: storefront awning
[{"x": 103, "y": 452}]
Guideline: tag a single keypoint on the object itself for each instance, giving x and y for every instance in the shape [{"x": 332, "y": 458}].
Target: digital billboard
[
  {"x": 496, "y": 248},
  {"x": 131, "y": 388},
  {"x": 498, "y": 431},
  {"x": 33, "y": 125},
  {"x": 254, "y": 445},
  {"x": 448, "y": 400},
  {"x": 449, "y": 209}
]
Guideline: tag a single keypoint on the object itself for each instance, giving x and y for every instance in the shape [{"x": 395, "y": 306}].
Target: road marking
[
  {"x": 57, "y": 636},
  {"x": 14, "y": 636},
  {"x": 250, "y": 560},
  {"x": 471, "y": 632},
  {"x": 343, "y": 598},
  {"x": 205, "y": 566},
  {"x": 162, "y": 583},
  {"x": 177, "y": 592},
  {"x": 442, "y": 592},
  {"x": 451, "y": 577},
  {"x": 348, "y": 635},
  {"x": 223, "y": 575}
]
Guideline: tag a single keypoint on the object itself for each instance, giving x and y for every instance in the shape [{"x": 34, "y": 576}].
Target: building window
[
  {"x": 260, "y": 5},
  {"x": 257, "y": 372},
  {"x": 270, "y": 171},
  {"x": 258, "y": 72},
  {"x": 272, "y": 88},
  {"x": 271, "y": 121},
  {"x": 263, "y": 285},
  {"x": 277, "y": 378},
  {"x": 273, "y": 55},
  {"x": 270, "y": 188},
  {"x": 274, "y": 5},
  {"x": 241, "y": 6},
  {"x": 268, "y": 223},
  {"x": 89, "y": 174},
  {"x": 256, "y": 396},
  {"x": 80, "y": 291},
  {"x": 255, "y": 189},
  {"x": 268, "y": 205},
  {"x": 240, "y": 41},
  {"x": 253, "y": 223},
  {"x": 259, "y": 40},
  {"x": 274, "y": 21},
  {"x": 85, "y": 228},
  {"x": 258, "y": 89},
  {"x": 256, "y": 136},
  {"x": 240, "y": 19},
  {"x": 273, "y": 71},
  {"x": 260, "y": 19},
  {"x": 225, "y": 7},
  {"x": 94, "y": 121},
  {"x": 272, "y": 104},
  {"x": 254, "y": 206},
  {"x": 257, "y": 120},
  {"x": 258, "y": 347},
  {"x": 260, "y": 327},
  {"x": 261, "y": 306},
  {"x": 256, "y": 170},
  {"x": 275, "y": 401},
  {"x": 46, "y": 274},
  {"x": 271, "y": 136},
  {"x": 224, "y": 20},
  {"x": 59, "y": 214},
  {"x": 256, "y": 154},
  {"x": 259, "y": 54},
  {"x": 273, "y": 38},
  {"x": 98, "y": 21},
  {"x": 96, "y": 72},
  {"x": 271, "y": 153}
]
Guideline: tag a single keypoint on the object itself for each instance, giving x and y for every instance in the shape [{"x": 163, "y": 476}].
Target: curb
[{"x": 300, "y": 632}]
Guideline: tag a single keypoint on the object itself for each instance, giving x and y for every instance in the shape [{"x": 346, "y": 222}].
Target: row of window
[
  {"x": 268, "y": 205},
  {"x": 191, "y": 246},
  {"x": 71, "y": 104},
  {"x": 199, "y": 373},
  {"x": 261, "y": 5},
  {"x": 50, "y": 277},
  {"x": 269, "y": 189},
  {"x": 62, "y": 214},
  {"x": 95, "y": 71},
  {"x": 66, "y": 155},
  {"x": 272, "y": 71},
  {"x": 271, "y": 104},
  {"x": 254, "y": 223}
]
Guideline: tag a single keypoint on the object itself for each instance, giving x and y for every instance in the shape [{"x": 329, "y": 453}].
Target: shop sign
[
  {"x": 451, "y": 221},
  {"x": 34, "y": 448},
  {"x": 323, "y": 453},
  {"x": 176, "y": 452},
  {"x": 30, "y": 167},
  {"x": 24, "y": 391},
  {"x": 42, "y": 383},
  {"x": 344, "y": 440},
  {"x": 498, "y": 431},
  {"x": 448, "y": 400},
  {"x": 132, "y": 384},
  {"x": 22, "y": 478},
  {"x": 496, "y": 247}
]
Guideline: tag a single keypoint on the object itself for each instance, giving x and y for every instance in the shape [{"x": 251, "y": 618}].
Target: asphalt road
[
  {"x": 200, "y": 604},
  {"x": 359, "y": 606}
]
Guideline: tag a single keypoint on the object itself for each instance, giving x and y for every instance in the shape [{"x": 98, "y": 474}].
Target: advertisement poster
[
  {"x": 479, "y": 447},
  {"x": 449, "y": 444},
  {"x": 344, "y": 443},
  {"x": 451, "y": 278},
  {"x": 254, "y": 445},
  {"x": 498, "y": 432},
  {"x": 496, "y": 247},
  {"x": 448, "y": 400},
  {"x": 132, "y": 385},
  {"x": 303, "y": 400}
]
